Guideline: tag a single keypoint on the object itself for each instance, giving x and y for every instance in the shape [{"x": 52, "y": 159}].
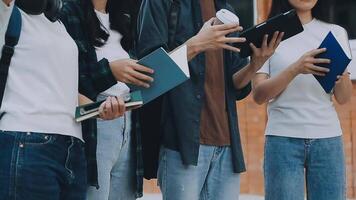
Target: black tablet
[{"x": 288, "y": 22}]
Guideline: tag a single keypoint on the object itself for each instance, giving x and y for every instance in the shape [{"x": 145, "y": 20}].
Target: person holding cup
[{"x": 201, "y": 154}]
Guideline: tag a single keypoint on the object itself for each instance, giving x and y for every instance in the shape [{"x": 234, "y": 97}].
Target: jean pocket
[{"x": 39, "y": 138}]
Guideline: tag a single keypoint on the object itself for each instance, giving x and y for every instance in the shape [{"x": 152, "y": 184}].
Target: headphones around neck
[{"x": 50, "y": 8}]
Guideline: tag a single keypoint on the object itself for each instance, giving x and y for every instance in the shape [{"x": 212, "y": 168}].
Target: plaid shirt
[{"x": 94, "y": 78}]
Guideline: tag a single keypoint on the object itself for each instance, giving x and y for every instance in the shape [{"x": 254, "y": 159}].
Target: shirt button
[
  {"x": 21, "y": 145},
  {"x": 198, "y": 96}
]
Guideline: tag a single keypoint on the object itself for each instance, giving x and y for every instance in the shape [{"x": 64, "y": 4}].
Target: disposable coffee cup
[{"x": 226, "y": 17}]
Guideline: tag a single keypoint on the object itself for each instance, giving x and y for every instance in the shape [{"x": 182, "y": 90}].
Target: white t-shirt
[
  {"x": 303, "y": 109},
  {"x": 112, "y": 51},
  {"x": 42, "y": 88}
]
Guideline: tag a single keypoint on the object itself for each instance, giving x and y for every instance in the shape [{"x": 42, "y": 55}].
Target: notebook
[
  {"x": 170, "y": 70},
  {"x": 340, "y": 57},
  {"x": 91, "y": 110}
]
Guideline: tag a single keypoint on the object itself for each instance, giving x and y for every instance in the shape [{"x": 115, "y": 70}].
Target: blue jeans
[
  {"x": 291, "y": 164},
  {"x": 36, "y": 166},
  {"x": 212, "y": 179},
  {"x": 116, "y": 167}
]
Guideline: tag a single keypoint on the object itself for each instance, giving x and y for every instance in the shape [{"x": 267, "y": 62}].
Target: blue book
[
  {"x": 339, "y": 62},
  {"x": 170, "y": 70}
]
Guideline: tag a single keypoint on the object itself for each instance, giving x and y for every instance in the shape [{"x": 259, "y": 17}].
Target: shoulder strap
[
  {"x": 173, "y": 23},
  {"x": 12, "y": 37}
]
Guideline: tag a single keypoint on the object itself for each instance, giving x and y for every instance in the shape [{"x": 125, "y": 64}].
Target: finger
[
  {"x": 317, "y": 73},
  {"x": 231, "y": 48},
  {"x": 101, "y": 110},
  {"x": 264, "y": 42},
  {"x": 273, "y": 40},
  {"x": 315, "y": 52},
  {"x": 223, "y": 27},
  {"x": 254, "y": 48},
  {"x": 228, "y": 31},
  {"x": 142, "y": 77},
  {"x": 319, "y": 69},
  {"x": 115, "y": 105},
  {"x": 108, "y": 108},
  {"x": 234, "y": 40},
  {"x": 142, "y": 68},
  {"x": 137, "y": 82},
  {"x": 210, "y": 21},
  {"x": 321, "y": 61},
  {"x": 279, "y": 40},
  {"x": 122, "y": 107}
]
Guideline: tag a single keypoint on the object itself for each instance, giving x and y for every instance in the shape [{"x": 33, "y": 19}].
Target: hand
[
  {"x": 307, "y": 64},
  {"x": 341, "y": 78},
  {"x": 214, "y": 37},
  {"x": 7, "y": 2},
  {"x": 128, "y": 71},
  {"x": 112, "y": 108},
  {"x": 261, "y": 55}
]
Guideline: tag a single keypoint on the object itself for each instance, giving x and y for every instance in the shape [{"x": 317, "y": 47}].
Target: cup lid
[{"x": 227, "y": 17}]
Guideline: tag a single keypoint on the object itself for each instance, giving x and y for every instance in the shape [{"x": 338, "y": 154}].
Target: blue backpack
[{"x": 12, "y": 37}]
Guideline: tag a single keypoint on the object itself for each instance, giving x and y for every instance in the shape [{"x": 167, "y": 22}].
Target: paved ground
[{"x": 158, "y": 197}]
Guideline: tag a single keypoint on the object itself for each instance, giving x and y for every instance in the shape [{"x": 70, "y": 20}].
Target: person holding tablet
[{"x": 303, "y": 135}]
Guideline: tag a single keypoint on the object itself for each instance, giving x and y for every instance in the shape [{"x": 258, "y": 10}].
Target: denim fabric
[
  {"x": 115, "y": 155},
  {"x": 212, "y": 179},
  {"x": 292, "y": 163},
  {"x": 37, "y": 166}
]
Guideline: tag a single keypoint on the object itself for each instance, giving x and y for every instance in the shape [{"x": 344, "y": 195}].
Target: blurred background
[{"x": 253, "y": 117}]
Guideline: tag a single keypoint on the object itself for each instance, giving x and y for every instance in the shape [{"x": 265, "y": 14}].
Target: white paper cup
[{"x": 226, "y": 17}]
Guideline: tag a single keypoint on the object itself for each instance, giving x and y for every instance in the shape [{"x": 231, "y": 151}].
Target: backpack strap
[
  {"x": 173, "y": 23},
  {"x": 12, "y": 37}
]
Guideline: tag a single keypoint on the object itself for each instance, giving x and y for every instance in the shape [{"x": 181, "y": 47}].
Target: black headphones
[{"x": 50, "y": 8}]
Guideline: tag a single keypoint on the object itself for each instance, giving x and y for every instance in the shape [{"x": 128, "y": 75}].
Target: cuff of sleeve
[
  {"x": 103, "y": 78},
  {"x": 244, "y": 92}
]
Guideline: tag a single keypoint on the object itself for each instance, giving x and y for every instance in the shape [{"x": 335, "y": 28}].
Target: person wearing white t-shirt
[
  {"x": 41, "y": 145},
  {"x": 303, "y": 135}
]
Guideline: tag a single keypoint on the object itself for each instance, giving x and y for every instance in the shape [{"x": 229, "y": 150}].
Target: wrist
[
  {"x": 295, "y": 69},
  {"x": 193, "y": 48}
]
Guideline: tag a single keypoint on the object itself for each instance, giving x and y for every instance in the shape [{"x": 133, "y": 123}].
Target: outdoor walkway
[{"x": 158, "y": 197}]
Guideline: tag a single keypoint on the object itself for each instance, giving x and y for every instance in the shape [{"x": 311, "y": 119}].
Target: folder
[
  {"x": 170, "y": 70},
  {"x": 287, "y": 22},
  {"x": 91, "y": 110},
  {"x": 339, "y": 62}
]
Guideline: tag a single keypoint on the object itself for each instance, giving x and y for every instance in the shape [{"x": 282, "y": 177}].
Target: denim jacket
[{"x": 182, "y": 106}]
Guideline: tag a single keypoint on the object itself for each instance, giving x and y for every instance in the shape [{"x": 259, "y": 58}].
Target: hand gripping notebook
[
  {"x": 170, "y": 70},
  {"x": 91, "y": 110},
  {"x": 339, "y": 61}
]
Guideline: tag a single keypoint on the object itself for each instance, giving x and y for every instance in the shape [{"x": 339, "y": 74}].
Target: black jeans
[{"x": 37, "y": 166}]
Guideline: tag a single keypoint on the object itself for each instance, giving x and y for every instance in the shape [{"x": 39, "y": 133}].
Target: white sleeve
[
  {"x": 265, "y": 69},
  {"x": 5, "y": 13}
]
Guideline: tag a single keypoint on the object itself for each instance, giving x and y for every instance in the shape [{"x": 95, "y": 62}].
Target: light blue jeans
[
  {"x": 212, "y": 179},
  {"x": 291, "y": 164},
  {"x": 116, "y": 167}
]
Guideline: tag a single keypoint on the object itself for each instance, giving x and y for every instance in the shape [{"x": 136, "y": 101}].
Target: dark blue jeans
[
  {"x": 293, "y": 164},
  {"x": 36, "y": 166}
]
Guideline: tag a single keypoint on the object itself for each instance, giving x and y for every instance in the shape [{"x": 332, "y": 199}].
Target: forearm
[
  {"x": 244, "y": 76},
  {"x": 343, "y": 91},
  {"x": 271, "y": 88}
]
